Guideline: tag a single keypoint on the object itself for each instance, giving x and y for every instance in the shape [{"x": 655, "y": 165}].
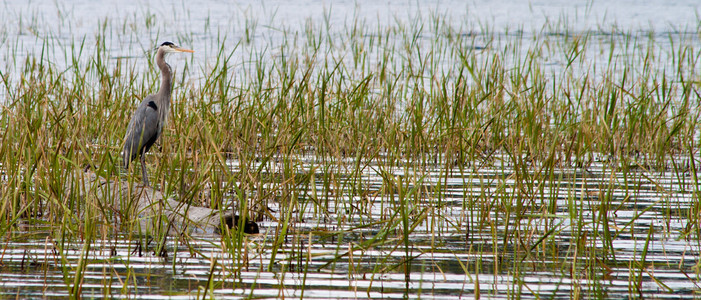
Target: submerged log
[{"x": 153, "y": 212}]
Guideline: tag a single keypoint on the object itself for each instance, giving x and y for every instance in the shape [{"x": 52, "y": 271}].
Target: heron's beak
[{"x": 185, "y": 50}]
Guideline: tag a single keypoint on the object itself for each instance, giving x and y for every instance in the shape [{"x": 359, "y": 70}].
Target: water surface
[{"x": 586, "y": 230}]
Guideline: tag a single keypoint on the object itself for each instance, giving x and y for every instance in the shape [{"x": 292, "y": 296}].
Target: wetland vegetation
[{"x": 423, "y": 158}]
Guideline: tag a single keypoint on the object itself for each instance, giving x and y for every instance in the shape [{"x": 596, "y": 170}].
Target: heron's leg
[{"x": 144, "y": 175}]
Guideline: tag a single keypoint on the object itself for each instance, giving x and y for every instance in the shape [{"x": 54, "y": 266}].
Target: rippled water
[
  {"x": 458, "y": 254},
  {"x": 643, "y": 226}
]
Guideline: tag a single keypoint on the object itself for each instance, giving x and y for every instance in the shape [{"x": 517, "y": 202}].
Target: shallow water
[
  {"x": 453, "y": 253},
  {"x": 584, "y": 231}
]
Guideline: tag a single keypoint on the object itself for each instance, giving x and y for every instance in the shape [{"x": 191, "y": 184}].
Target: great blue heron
[{"x": 149, "y": 118}]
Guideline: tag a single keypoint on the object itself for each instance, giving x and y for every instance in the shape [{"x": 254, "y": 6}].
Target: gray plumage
[{"x": 147, "y": 122}]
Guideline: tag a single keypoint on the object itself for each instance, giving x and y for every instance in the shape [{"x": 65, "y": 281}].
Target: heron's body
[{"x": 150, "y": 116}]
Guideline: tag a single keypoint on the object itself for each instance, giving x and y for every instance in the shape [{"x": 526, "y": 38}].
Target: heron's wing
[{"x": 142, "y": 130}]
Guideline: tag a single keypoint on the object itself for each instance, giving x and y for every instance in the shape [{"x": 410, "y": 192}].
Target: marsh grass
[{"x": 288, "y": 129}]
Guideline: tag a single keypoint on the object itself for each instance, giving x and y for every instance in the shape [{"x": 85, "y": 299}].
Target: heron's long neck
[
  {"x": 163, "y": 96},
  {"x": 166, "y": 82}
]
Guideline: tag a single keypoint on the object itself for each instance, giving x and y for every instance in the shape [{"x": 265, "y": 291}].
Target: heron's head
[{"x": 169, "y": 47}]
